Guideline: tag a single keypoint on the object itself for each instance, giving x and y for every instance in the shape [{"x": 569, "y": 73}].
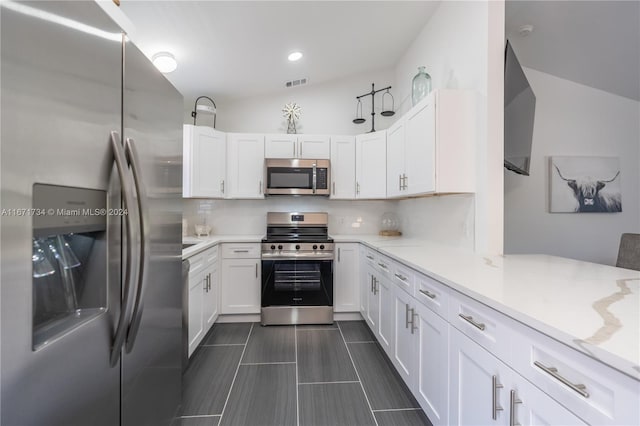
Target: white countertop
[
  {"x": 203, "y": 243},
  {"x": 592, "y": 308}
]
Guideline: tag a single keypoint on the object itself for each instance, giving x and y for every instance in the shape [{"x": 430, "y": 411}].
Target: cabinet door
[
  {"x": 314, "y": 147},
  {"x": 195, "y": 322},
  {"x": 343, "y": 167},
  {"x": 240, "y": 286},
  {"x": 204, "y": 162},
  {"x": 395, "y": 159},
  {"x": 365, "y": 284},
  {"x": 473, "y": 371},
  {"x": 211, "y": 299},
  {"x": 432, "y": 386},
  {"x": 371, "y": 165},
  {"x": 280, "y": 146},
  {"x": 386, "y": 323},
  {"x": 420, "y": 146},
  {"x": 404, "y": 339},
  {"x": 530, "y": 406},
  {"x": 245, "y": 165},
  {"x": 372, "y": 300},
  {"x": 346, "y": 283}
]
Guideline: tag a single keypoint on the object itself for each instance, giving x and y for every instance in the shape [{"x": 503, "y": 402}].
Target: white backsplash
[
  {"x": 244, "y": 217},
  {"x": 447, "y": 219}
]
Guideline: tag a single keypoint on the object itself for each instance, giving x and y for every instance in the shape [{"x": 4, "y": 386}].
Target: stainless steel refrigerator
[{"x": 91, "y": 179}]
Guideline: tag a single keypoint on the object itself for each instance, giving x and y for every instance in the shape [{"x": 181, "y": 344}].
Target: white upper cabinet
[
  {"x": 245, "y": 165},
  {"x": 343, "y": 167},
  {"x": 280, "y": 146},
  {"x": 297, "y": 146},
  {"x": 395, "y": 159},
  {"x": 204, "y": 162},
  {"x": 431, "y": 149},
  {"x": 314, "y": 147},
  {"x": 371, "y": 165}
]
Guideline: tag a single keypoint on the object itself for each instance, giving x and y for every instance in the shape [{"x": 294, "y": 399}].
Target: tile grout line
[
  {"x": 222, "y": 344},
  {"x": 357, "y": 375},
  {"x": 362, "y": 341},
  {"x": 236, "y": 374},
  {"x": 267, "y": 363},
  {"x": 295, "y": 342},
  {"x": 397, "y": 409},
  {"x": 199, "y": 416},
  {"x": 327, "y": 383}
]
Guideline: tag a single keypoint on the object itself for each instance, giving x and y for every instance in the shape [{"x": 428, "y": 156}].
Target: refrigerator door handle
[
  {"x": 143, "y": 214},
  {"x": 131, "y": 270}
]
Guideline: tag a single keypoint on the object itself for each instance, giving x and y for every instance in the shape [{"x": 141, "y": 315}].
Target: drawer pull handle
[
  {"x": 553, "y": 372},
  {"x": 428, "y": 294},
  {"x": 382, "y": 265},
  {"x": 513, "y": 400},
  {"x": 369, "y": 257},
  {"x": 400, "y": 277},
  {"x": 241, "y": 251},
  {"x": 494, "y": 397},
  {"x": 469, "y": 319},
  {"x": 406, "y": 316}
]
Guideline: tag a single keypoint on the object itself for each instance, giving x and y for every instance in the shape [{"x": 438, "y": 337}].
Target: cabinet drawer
[
  {"x": 432, "y": 294},
  {"x": 210, "y": 255},
  {"x": 196, "y": 264},
  {"x": 241, "y": 251},
  {"x": 384, "y": 266},
  {"x": 370, "y": 257},
  {"x": 403, "y": 277},
  {"x": 595, "y": 392},
  {"x": 482, "y": 324}
]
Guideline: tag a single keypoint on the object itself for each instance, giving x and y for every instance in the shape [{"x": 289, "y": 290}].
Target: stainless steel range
[{"x": 297, "y": 269}]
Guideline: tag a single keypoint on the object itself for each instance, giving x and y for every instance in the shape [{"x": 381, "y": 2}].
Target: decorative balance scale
[{"x": 385, "y": 112}]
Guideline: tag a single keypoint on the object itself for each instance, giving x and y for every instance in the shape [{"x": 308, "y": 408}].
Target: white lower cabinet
[
  {"x": 404, "y": 345},
  {"x": 486, "y": 391},
  {"x": 386, "y": 321},
  {"x": 196, "y": 307},
  {"x": 204, "y": 296},
  {"x": 240, "y": 279},
  {"x": 431, "y": 386},
  {"x": 373, "y": 305},
  {"x": 346, "y": 286}
]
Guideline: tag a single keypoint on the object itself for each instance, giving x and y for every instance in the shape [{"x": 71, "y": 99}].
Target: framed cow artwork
[{"x": 585, "y": 185}]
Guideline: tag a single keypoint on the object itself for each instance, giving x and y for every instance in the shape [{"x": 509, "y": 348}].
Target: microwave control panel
[{"x": 321, "y": 179}]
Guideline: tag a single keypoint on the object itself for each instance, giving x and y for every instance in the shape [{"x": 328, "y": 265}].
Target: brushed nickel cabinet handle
[
  {"x": 357, "y": 188},
  {"x": 338, "y": 254},
  {"x": 382, "y": 265},
  {"x": 334, "y": 188},
  {"x": 428, "y": 294},
  {"x": 260, "y": 187},
  {"x": 413, "y": 320},
  {"x": 553, "y": 372},
  {"x": 401, "y": 277},
  {"x": 371, "y": 283},
  {"x": 256, "y": 269},
  {"x": 222, "y": 186},
  {"x": 300, "y": 149},
  {"x": 494, "y": 397},
  {"x": 375, "y": 286},
  {"x": 241, "y": 251},
  {"x": 513, "y": 400},
  {"x": 406, "y": 316},
  {"x": 470, "y": 320},
  {"x": 399, "y": 182},
  {"x": 369, "y": 257},
  {"x": 294, "y": 150}
]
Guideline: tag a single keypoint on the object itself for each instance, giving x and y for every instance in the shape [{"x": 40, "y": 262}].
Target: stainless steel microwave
[{"x": 296, "y": 177}]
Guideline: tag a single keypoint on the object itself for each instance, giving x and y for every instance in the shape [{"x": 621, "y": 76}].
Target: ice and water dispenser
[{"x": 69, "y": 259}]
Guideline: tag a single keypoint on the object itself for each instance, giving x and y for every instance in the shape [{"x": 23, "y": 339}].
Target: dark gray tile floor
[{"x": 249, "y": 375}]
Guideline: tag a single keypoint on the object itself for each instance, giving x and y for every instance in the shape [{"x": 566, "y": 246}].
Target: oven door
[{"x": 297, "y": 282}]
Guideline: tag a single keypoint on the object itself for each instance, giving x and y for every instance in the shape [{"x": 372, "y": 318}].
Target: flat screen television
[{"x": 519, "y": 114}]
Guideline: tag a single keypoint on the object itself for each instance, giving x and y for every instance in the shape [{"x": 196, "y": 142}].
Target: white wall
[
  {"x": 248, "y": 217},
  {"x": 460, "y": 50},
  {"x": 572, "y": 119},
  {"x": 327, "y": 108}
]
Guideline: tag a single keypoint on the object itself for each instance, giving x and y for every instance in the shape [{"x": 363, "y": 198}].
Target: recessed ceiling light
[
  {"x": 525, "y": 30},
  {"x": 295, "y": 56},
  {"x": 165, "y": 62}
]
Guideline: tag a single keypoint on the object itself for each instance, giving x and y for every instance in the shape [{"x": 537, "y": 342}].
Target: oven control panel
[{"x": 297, "y": 249}]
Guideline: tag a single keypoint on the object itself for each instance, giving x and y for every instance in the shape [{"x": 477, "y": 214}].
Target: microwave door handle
[
  {"x": 314, "y": 177},
  {"x": 143, "y": 214},
  {"x": 132, "y": 232}
]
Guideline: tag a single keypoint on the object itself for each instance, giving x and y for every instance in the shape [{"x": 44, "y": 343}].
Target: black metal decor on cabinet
[{"x": 372, "y": 93}]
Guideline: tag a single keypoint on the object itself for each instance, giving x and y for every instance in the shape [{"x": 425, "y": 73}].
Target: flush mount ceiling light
[
  {"x": 294, "y": 56},
  {"x": 525, "y": 30},
  {"x": 165, "y": 62}
]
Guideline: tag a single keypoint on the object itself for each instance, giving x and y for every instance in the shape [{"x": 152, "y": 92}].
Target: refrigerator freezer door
[
  {"x": 151, "y": 363},
  {"x": 61, "y": 98}
]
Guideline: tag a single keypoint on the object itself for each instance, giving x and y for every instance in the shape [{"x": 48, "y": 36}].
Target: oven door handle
[{"x": 314, "y": 178}]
